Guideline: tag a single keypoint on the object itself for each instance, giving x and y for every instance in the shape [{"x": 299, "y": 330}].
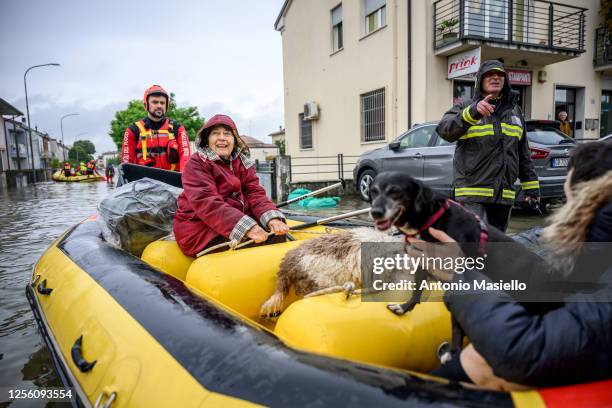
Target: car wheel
[{"x": 365, "y": 180}]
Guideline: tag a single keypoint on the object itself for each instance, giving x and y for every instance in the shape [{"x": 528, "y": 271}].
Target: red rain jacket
[{"x": 219, "y": 199}]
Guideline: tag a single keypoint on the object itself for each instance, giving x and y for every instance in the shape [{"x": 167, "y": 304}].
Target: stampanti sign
[
  {"x": 519, "y": 76},
  {"x": 464, "y": 63}
]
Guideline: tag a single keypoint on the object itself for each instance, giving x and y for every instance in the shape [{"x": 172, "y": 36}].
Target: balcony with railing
[
  {"x": 603, "y": 50},
  {"x": 540, "y": 31}
]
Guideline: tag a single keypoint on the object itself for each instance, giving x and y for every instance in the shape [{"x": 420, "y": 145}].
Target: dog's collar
[
  {"x": 484, "y": 231},
  {"x": 436, "y": 216}
]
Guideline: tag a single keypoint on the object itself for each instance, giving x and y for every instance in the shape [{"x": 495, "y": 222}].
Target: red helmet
[{"x": 154, "y": 90}]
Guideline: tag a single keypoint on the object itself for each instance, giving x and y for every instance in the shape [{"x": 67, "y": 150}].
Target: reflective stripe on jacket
[{"x": 491, "y": 153}]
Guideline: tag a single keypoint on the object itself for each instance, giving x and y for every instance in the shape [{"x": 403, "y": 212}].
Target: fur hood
[{"x": 568, "y": 227}]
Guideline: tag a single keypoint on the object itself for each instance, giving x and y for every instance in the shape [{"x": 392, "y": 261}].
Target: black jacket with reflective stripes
[{"x": 491, "y": 151}]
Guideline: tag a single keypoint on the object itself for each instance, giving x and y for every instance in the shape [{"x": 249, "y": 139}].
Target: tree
[
  {"x": 55, "y": 163},
  {"x": 281, "y": 146},
  {"x": 81, "y": 151},
  {"x": 188, "y": 117}
]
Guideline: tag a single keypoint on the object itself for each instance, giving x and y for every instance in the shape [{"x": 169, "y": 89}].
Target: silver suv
[{"x": 423, "y": 154}]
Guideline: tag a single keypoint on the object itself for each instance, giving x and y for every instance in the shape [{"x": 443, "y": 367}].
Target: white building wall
[{"x": 312, "y": 72}]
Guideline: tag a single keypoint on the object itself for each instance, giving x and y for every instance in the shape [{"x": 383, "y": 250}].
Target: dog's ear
[{"x": 423, "y": 198}]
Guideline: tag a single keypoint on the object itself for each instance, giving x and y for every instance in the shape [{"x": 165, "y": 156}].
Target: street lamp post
[
  {"x": 25, "y": 85},
  {"x": 62, "y": 129}
]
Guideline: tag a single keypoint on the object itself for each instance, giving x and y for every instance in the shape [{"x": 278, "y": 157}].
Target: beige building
[
  {"x": 359, "y": 73},
  {"x": 259, "y": 150}
]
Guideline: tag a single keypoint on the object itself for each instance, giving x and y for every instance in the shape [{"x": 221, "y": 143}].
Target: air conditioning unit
[{"x": 311, "y": 110}]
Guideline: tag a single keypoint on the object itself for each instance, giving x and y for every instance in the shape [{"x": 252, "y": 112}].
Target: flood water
[{"x": 30, "y": 220}]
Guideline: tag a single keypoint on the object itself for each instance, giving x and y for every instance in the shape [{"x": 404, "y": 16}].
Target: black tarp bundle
[{"x": 138, "y": 213}]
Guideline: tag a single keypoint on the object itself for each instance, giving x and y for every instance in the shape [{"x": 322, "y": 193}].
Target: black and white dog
[{"x": 404, "y": 202}]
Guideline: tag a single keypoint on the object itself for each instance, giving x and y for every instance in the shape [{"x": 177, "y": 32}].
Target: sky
[{"x": 220, "y": 56}]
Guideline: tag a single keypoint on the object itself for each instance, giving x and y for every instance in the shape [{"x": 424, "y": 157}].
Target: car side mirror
[{"x": 394, "y": 145}]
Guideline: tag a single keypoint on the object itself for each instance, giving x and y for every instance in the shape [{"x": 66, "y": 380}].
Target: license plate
[{"x": 560, "y": 161}]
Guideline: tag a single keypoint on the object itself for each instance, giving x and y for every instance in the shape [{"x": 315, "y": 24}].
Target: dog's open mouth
[{"x": 383, "y": 225}]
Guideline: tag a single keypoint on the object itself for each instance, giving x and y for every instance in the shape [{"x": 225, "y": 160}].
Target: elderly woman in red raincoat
[{"x": 222, "y": 199}]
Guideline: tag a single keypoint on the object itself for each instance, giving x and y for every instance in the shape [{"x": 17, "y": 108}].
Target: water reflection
[{"x": 30, "y": 220}]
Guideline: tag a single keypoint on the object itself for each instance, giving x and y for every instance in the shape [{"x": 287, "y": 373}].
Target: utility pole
[{"x": 25, "y": 86}]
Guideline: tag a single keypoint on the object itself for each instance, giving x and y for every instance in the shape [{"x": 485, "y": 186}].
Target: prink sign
[{"x": 464, "y": 63}]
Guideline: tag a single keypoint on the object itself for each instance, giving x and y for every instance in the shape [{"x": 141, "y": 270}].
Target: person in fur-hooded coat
[
  {"x": 222, "y": 199},
  {"x": 571, "y": 343}
]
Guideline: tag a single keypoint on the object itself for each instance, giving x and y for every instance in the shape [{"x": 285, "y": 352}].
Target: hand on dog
[
  {"x": 440, "y": 235},
  {"x": 450, "y": 249}
]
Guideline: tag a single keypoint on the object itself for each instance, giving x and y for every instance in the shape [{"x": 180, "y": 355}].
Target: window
[
  {"x": 547, "y": 136},
  {"x": 463, "y": 91},
  {"x": 373, "y": 116},
  {"x": 442, "y": 142},
  {"x": 375, "y": 15},
  {"x": 305, "y": 133},
  {"x": 336, "y": 16},
  {"x": 417, "y": 138}
]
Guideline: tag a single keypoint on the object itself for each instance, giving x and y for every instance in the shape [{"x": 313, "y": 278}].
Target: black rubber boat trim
[{"x": 62, "y": 370}]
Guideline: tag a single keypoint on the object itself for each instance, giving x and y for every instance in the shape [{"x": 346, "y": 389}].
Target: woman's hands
[
  {"x": 278, "y": 227},
  {"x": 258, "y": 234}
]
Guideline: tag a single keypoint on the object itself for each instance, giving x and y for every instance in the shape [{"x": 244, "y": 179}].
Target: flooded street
[{"x": 30, "y": 220}]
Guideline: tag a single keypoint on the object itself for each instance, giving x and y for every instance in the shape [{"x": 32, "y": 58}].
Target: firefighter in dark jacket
[
  {"x": 492, "y": 148},
  {"x": 156, "y": 141}
]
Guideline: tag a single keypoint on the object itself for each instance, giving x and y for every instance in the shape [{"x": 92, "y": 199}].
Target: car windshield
[{"x": 548, "y": 137}]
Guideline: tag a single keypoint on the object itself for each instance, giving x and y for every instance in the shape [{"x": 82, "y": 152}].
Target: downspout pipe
[{"x": 409, "y": 65}]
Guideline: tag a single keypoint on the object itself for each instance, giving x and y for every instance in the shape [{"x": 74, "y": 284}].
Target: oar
[
  {"x": 322, "y": 221},
  {"x": 327, "y": 220},
  {"x": 312, "y": 193}
]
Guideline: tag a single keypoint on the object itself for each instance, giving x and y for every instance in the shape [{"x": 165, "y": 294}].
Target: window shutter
[
  {"x": 336, "y": 15},
  {"x": 372, "y": 5}
]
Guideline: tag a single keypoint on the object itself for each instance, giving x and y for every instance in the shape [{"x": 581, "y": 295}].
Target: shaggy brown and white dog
[{"x": 323, "y": 262}]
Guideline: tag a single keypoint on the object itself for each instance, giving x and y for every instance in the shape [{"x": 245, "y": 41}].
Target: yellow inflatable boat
[
  {"x": 60, "y": 176},
  {"x": 168, "y": 330}
]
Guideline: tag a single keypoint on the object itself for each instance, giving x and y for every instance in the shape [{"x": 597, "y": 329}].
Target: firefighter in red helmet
[{"x": 156, "y": 141}]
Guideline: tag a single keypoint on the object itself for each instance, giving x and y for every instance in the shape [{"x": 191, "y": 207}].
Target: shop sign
[
  {"x": 519, "y": 76},
  {"x": 464, "y": 63}
]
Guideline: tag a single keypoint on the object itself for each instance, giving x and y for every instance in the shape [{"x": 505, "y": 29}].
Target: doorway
[{"x": 565, "y": 101}]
